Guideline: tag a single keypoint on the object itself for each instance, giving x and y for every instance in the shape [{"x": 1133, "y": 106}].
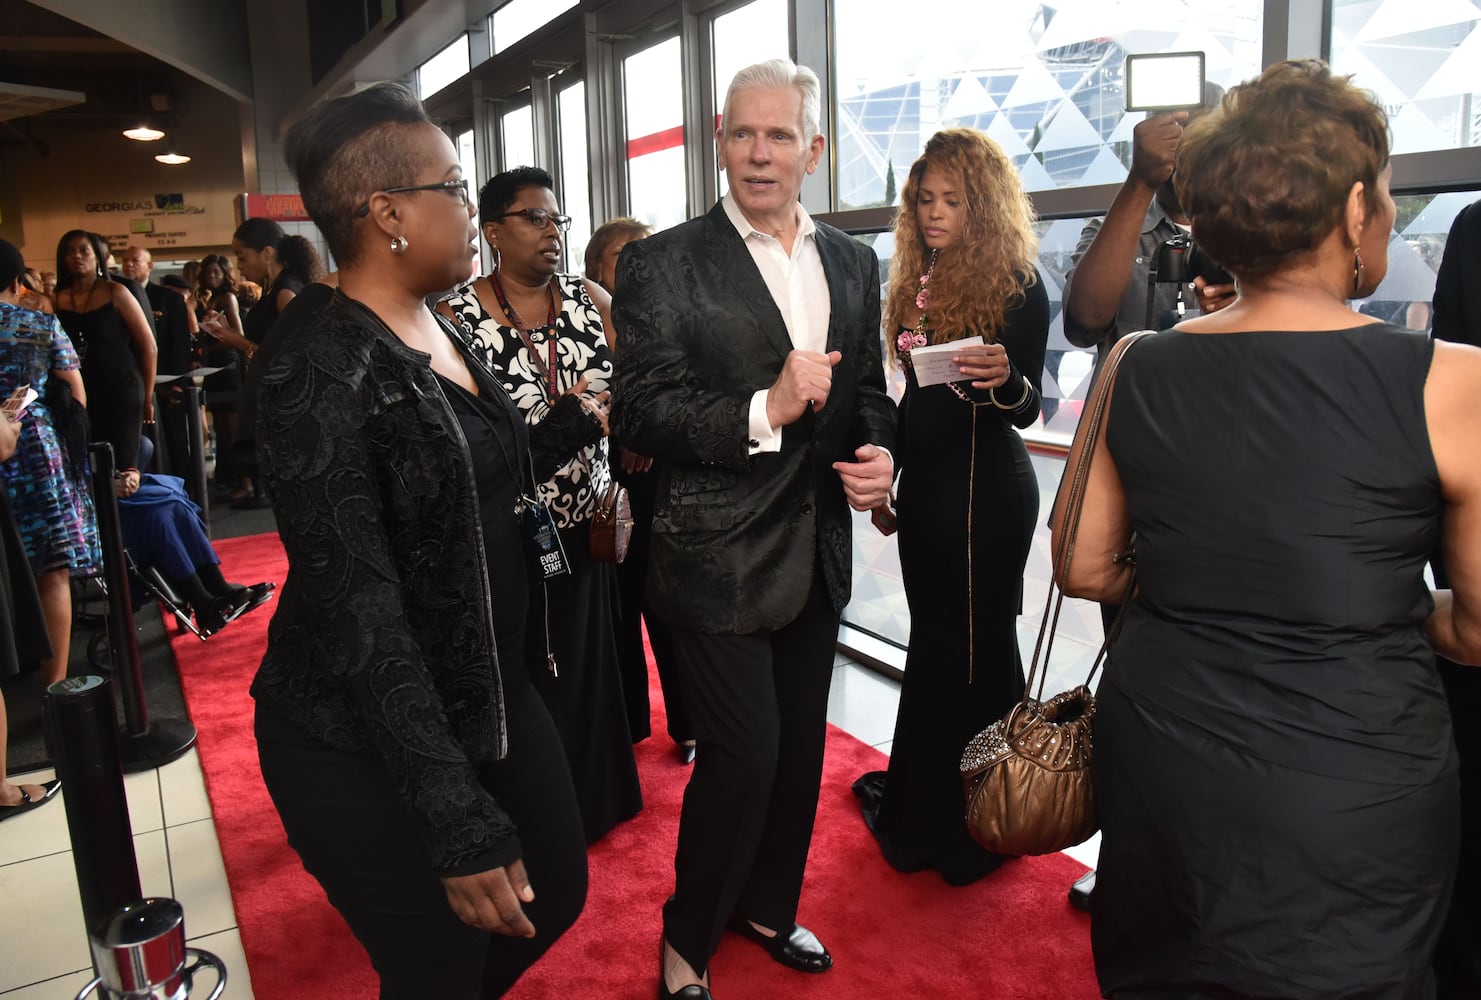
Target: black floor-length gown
[
  {"x": 1275, "y": 771},
  {"x": 968, "y": 504}
]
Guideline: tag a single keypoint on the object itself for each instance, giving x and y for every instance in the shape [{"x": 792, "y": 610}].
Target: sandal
[{"x": 50, "y": 789}]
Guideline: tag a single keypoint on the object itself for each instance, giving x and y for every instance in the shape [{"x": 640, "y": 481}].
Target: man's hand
[
  {"x": 1212, "y": 298},
  {"x": 806, "y": 378},
  {"x": 867, "y": 481},
  {"x": 632, "y": 462},
  {"x": 492, "y": 900},
  {"x": 1155, "y": 146}
]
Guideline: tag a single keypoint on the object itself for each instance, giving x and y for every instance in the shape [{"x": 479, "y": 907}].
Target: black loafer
[
  {"x": 798, "y": 948},
  {"x": 686, "y": 753},
  {"x": 1082, "y": 890}
]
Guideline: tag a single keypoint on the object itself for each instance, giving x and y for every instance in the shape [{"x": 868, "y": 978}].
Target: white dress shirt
[{"x": 799, "y": 288}]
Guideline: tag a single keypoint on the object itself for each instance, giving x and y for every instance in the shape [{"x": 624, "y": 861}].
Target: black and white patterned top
[{"x": 581, "y": 350}]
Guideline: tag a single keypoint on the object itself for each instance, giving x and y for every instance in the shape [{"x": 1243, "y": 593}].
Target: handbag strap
[{"x": 1074, "y": 504}]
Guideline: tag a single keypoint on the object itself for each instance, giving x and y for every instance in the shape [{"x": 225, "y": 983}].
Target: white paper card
[
  {"x": 17, "y": 402},
  {"x": 933, "y": 364}
]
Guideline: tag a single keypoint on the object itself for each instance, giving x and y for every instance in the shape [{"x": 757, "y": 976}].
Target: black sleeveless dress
[
  {"x": 110, "y": 374},
  {"x": 261, "y": 317},
  {"x": 1275, "y": 770}
]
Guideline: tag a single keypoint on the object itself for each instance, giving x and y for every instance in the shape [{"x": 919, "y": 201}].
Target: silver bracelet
[{"x": 993, "y": 395}]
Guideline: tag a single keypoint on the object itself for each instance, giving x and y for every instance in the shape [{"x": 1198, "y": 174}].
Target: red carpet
[{"x": 1010, "y": 937}]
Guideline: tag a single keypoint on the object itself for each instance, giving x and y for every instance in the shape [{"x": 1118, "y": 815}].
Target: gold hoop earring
[
  {"x": 1357, "y": 271},
  {"x": 399, "y": 245}
]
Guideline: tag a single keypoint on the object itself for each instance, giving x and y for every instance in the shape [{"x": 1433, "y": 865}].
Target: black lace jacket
[{"x": 383, "y": 637}]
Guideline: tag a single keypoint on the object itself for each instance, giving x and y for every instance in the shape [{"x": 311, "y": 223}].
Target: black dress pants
[
  {"x": 358, "y": 839},
  {"x": 759, "y": 707}
]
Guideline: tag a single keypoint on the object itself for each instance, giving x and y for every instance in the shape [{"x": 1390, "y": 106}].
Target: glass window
[
  {"x": 1045, "y": 82},
  {"x": 575, "y": 186},
  {"x": 1066, "y": 367},
  {"x": 442, "y": 69},
  {"x": 519, "y": 18},
  {"x": 518, "y": 132},
  {"x": 1420, "y": 61},
  {"x": 653, "y": 102},
  {"x": 1421, "y": 225},
  {"x": 468, "y": 157},
  {"x": 745, "y": 36}
]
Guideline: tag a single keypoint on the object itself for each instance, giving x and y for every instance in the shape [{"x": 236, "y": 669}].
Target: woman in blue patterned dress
[
  {"x": 544, "y": 335},
  {"x": 49, "y": 494}
]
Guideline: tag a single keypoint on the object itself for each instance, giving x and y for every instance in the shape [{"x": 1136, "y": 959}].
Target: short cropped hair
[
  {"x": 1265, "y": 178},
  {"x": 778, "y": 73},
  {"x": 345, "y": 149},
  {"x": 499, "y": 193},
  {"x": 608, "y": 233}
]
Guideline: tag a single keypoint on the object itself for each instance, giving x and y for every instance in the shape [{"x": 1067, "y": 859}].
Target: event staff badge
[{"x": 542, "y": 540}]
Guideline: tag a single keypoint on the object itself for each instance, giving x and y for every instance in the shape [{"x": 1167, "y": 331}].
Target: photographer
[{"x": 1105, "y": 293}]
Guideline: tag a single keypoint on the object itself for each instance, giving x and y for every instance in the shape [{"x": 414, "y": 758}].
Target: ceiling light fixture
[
  {"x": 143, "y": 133},
  {"x": 172, "y": 158}
]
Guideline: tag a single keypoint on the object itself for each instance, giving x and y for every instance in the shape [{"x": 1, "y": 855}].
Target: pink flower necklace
[
  {"x": 917, "y": 338},
  {"x": 909, "y": 339}
]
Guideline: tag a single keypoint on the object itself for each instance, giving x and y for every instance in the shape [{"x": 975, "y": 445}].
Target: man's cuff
[{"x": 763, "y": 437}]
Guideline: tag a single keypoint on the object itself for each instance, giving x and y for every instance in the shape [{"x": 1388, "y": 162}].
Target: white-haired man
[{"x": 750, "y": 368}]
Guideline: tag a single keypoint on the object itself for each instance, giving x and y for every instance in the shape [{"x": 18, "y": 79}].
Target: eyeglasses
[
  {"x": 458, "y": 187},
  {"x": 540, "y": 219}
]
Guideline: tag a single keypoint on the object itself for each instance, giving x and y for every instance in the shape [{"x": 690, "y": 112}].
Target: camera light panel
[{"x": 1164, "y": 81}]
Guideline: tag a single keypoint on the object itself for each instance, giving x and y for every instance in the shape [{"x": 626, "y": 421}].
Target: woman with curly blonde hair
[{"x": 968, "y": 501}]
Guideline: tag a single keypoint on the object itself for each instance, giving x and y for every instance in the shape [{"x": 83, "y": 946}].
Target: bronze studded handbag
[
  {"x": 611, "y": 524},
  {"x": 1027, "y": 776}
]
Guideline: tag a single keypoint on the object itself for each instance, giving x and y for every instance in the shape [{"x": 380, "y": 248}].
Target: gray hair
[{"x": 775, "y": 74}]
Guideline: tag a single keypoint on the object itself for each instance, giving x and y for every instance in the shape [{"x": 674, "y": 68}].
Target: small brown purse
[
  {"x": 611, "y": 524},
  {"x": 1027, "y": 776}
]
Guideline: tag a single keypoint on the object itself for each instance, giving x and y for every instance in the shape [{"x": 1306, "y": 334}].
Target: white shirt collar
[{"x": 805, "y": 226}]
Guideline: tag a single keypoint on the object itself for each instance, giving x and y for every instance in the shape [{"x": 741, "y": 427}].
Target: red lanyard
[{"x": 549, "y": 372}]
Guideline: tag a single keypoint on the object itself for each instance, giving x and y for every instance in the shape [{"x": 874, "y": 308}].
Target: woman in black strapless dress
[{"x": 112, "y": 336}]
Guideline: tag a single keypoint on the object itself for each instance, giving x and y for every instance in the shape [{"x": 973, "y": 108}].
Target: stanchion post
[
  {"x": 145, "y": 745},
  {"x": 79, "y": 717},
  {"x": 195, "y": 474},
  {"x": 123, "y": 645}
]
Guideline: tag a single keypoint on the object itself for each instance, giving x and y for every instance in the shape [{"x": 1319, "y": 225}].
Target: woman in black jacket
[{"x": 416, "y": 771}]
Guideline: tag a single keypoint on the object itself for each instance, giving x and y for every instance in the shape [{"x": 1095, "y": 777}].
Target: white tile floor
[
  {"x": 43, "y": 943},
  {"x": 43, "y": 946}
]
